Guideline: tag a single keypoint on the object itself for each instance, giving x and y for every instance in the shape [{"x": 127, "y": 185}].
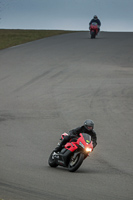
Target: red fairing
[
  {"x": 94, "y": 28},
  {"x": 72, "y": 146}
]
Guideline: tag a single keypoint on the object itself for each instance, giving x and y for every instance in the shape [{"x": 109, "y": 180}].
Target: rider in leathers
[
  {"x": 96, "y": 20},
  {"x": 86, "y": 128}
]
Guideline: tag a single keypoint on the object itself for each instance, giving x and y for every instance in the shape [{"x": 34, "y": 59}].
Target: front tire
[
  {"x": 93, "y": 35},
  {"x": 51, "y": 161},
  {"x": 75, "y": 163}
]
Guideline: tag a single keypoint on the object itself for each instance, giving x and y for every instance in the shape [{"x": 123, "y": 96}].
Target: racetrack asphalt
[{"x": 51, "y": 86}]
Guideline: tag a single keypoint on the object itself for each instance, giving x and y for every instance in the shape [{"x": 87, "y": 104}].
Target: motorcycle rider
[
  {"x": 96, "y": 20},
  {"x": 88, "y": 128}
]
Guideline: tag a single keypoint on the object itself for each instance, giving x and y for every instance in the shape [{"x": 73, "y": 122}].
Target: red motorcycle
[
  {"x": 73, "y": 153},
  {"x": 94, "y": 29}
]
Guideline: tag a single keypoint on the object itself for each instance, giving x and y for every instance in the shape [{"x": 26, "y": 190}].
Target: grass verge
[{"x": 12, "y": 37}]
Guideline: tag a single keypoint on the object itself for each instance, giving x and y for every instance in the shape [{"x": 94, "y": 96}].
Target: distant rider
[
  {"x": 88, "y": 128},
  {"x": 96, "y": 20}
]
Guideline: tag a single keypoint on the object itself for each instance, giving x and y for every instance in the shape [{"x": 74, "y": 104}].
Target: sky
[{"x": 115, "y": 15}]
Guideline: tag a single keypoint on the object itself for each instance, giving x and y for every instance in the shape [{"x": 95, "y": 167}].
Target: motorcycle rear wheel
[
  {"x": 51, "y": 161},
  {"x": 75, "y": 163}
]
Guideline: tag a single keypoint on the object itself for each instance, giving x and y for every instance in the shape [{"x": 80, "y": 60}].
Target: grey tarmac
[{"x": 52, "y": 85}]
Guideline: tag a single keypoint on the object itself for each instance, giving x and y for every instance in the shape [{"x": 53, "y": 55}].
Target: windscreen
[
  {"x": 94, "y": 23},
  {"x": 87, "y": 138}
]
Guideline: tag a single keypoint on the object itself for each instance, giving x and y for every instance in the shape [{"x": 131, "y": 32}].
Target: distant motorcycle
[
  {"x": 73, "y": 153},
  {"x": 93, "y": 30}
]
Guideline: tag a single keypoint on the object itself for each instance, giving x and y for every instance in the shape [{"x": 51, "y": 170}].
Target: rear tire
[
  {"x": 75, "y": 164},
  {"x": 51, "y": 161}
]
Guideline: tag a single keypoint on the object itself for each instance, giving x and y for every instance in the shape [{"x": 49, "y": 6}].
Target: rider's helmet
[
  {"x": 89, "y": 124},
  {"x": 95, "y": 17}
]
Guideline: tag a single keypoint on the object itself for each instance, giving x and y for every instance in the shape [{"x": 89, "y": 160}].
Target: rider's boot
[
  {"x": 58, "y": 148},
  {"x": 63, "y": 142}
]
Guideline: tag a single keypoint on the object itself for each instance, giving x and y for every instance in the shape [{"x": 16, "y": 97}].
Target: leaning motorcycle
[
  {"x": 93, "y": 30},
  {"x": 73, "y": 153}
]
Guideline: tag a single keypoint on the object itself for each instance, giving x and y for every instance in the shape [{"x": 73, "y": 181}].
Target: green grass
[{"x": 12, "y": 37}]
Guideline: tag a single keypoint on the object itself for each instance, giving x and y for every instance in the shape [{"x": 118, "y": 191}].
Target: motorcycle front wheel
[
  {"x": 51, "y": 161},
  {"x": 75, "y": 162},
  {"x": 93, "y": 35}
]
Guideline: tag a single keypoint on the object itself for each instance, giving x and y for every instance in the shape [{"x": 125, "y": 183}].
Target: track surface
[{"x": 52, "y": 85}]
